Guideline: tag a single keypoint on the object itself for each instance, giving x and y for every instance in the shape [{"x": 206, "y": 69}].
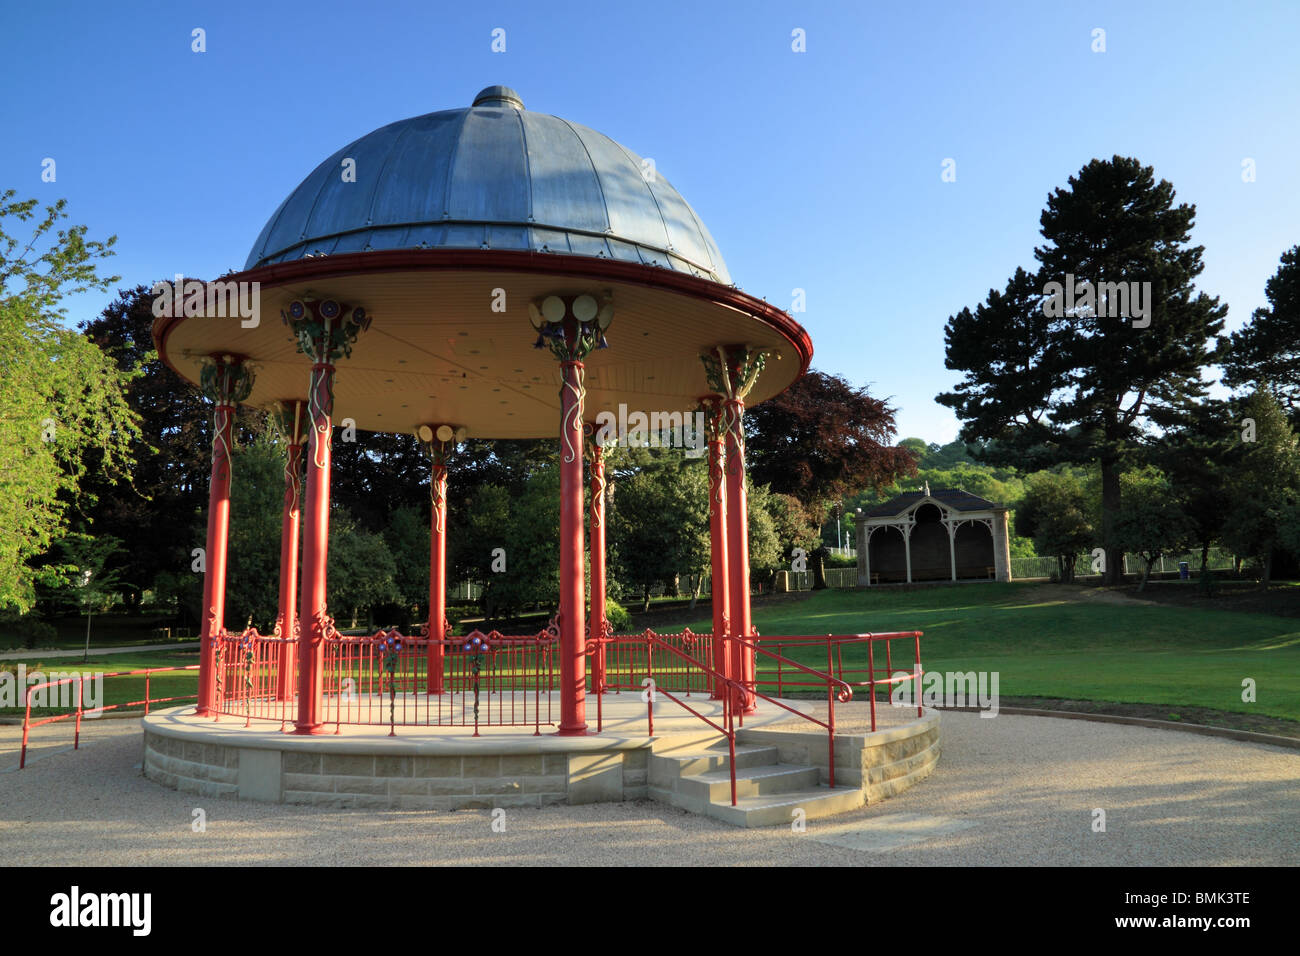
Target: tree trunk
[
  {"x": 698, "y": 582},
  {"x": 819, "y": 570},
  {"x": 1205, "y": 555},
  {"x": 1268, "y": 569},
  {"x": 645, "y": 604},
  {"x": 1146, "y": 573},
  {"x": 1110, "y": 501}
]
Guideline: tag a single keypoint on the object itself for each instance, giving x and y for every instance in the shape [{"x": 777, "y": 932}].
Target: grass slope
[{"x": 1059, "y": 642}]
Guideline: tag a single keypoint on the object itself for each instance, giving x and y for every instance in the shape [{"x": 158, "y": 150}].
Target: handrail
[
  {"x": 80, "y": 679},
  {"x": 845, "y": 693},
  {"x": 651, "y": 639},
  {"x": 844, "y": 696},
  {"x": 870, "y": 638}
]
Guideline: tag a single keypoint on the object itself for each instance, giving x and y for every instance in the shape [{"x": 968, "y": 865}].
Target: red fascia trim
[{"x": 510, "y": 260}]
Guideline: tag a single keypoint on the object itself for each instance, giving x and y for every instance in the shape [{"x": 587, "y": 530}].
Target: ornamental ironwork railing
[{"x": 489, "y": 680}]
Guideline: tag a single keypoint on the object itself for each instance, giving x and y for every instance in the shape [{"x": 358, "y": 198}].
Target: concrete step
[
  {"x": 692, "y": 742},
  {"x": 715, "y": 785},
  {"x": 770, "y": 810},
  {"x": 666, "y": 769}
]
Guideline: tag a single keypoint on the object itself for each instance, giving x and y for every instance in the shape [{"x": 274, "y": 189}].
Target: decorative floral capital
[
  {"x": 290, "y": 421},
  {"x": 571, "y": 326},
  {"x": 225, "y": 379},
  {"x": 326, "y": 329},
  {"x": 439, "y": 441},
  {"x": 732, "y": 370}
]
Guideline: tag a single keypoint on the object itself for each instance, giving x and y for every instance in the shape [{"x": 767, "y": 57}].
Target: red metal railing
[
  {"x": 494, "y": 680},
  {"x": 630, "y": 661},
  {"x": 248, "y": 677},
  {"x": 375, "y": 679},
  {"x": 637, "y": 656},
  {"x": 837, "y": 689},
  {"x": 80, "y": 681},
  {"x": 628, "y": 654},
  {"x": 489, "y": 680},
  {"x": 788, "y": 670}
]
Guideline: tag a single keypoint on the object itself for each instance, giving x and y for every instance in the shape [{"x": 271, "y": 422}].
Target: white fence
[{"x": 1219, "y": 560}]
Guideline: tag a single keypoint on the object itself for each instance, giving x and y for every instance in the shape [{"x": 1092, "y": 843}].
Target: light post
[{"x": 85, "y": 596}]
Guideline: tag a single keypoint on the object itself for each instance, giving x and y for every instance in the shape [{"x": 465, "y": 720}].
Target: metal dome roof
[{"x": 493, "y": 176}]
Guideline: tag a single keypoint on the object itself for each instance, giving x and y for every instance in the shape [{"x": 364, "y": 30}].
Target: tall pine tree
[{"x": 1048, "y": 381}]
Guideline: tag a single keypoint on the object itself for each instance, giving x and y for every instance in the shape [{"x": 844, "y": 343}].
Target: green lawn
[
  {"x": 1078, "y": 649},
  {"x": 116, "y": 689}
]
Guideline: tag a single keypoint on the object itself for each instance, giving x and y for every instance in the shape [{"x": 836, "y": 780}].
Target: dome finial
[{"x": 499, "y": 97}]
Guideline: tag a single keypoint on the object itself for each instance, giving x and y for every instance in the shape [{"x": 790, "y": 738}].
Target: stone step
[
  {"x": 715, "y": 785},
  {"x": 689, "y": 742},
  {"x": 667, "y": 769},
  {"x": 770, "y": 810}
]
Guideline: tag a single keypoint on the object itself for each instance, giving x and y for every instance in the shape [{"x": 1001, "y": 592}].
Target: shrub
[
  {"x": 37, "y": 633},
  {"x": 619, "y": 618}
]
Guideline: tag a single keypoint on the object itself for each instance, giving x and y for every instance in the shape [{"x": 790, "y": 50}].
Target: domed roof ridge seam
[
  {"x": 258, "y": 254},
  {"x": 388, "y": 158},
  {"x": 451, "y": 164},
  {"x": 668, "y": 237},
  {"x": 262, "y": 257},
  {"x": 528, "y": 163},
  {"x": 595, "y": 172},
  {"x": 704, "y": 238},
  {"x": 315, "y": 200}
]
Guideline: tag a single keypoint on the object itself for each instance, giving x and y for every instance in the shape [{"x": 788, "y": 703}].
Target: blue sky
[{"x": 818, "y": 170}]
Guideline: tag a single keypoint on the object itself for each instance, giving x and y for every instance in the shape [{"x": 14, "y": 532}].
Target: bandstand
[{"x": 497, "y": 272}]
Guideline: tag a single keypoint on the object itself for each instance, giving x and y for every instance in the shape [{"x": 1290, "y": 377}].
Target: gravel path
[{"x": 1024, "y": 788}]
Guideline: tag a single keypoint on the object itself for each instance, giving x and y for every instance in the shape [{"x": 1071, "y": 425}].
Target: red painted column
[
  {"x": 596, "y": 544},
  {"x": 438, "y": 442},
  {"x": 573, "y": 650},
  {"x": 326, "y": 331},
  {"x": 214, "y": 577},
  {"x": 227, "y": 382},
  {"x": 286, "y": 624},
  {"x": 571, "y": 326},
  {"x": 315, "y": 623},
  {"x": 720, "y": 580},
  {"x": 437, "y": 578},
  {"x": 731, "y": 372},
  {"x": 742, "y": 659}
]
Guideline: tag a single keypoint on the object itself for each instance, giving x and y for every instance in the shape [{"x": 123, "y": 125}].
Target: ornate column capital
[
  {"x": 439, "y": 441},
  {"x": 226, "y": 379},
  {"x": 732, "y": 370},
  {"x": 288, "y": 420},
  {"x": 571, "y": 325},
  {"x": 326, "y": 328}
]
